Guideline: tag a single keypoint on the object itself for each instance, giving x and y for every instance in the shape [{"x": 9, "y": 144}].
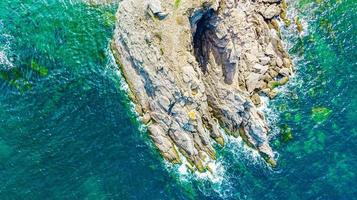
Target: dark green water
[{"x": 67, "y": 130}]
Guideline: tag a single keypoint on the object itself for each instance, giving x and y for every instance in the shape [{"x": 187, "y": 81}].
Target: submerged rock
[
  {"x": 320, "y": 114},
  {"x": 196, "y": 69}
]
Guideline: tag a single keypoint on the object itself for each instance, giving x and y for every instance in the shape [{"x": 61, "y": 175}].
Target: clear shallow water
[{"x": 67, "y": 130}]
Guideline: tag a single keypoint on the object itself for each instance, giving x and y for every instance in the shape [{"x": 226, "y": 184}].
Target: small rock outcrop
[{"x": 195, "y": 68}]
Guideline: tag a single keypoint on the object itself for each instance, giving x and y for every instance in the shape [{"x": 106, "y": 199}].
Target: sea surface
[{"x": 68, "y": 130}]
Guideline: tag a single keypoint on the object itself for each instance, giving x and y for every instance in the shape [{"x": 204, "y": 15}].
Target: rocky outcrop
[{"x": 193, "y": 67}]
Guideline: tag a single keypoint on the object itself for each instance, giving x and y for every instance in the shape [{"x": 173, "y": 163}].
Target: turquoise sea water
[{"x": 67, "y": 130}]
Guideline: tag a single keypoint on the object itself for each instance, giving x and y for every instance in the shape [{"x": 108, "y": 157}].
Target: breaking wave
[{"x": 5, "y": 62}]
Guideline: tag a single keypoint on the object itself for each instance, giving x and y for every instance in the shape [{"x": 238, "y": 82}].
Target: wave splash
[
  {"x": 220, "y": 180},
  {"x": 6, "y": 62}
]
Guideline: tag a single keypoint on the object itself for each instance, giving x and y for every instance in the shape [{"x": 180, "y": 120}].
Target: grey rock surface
[{"x": 197, "y": 69}]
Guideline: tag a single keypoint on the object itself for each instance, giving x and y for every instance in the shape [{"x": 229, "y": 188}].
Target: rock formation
[{"x": 194, "y": 66}]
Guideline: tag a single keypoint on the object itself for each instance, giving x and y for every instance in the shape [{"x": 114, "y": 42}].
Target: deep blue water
[{"x": 67, "y": 129}]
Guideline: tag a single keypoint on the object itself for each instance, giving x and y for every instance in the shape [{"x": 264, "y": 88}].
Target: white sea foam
[
  {"x": 5, "y": 62},
  {"x": 242, "y": 152},
  {"x": 236, "y": 146},
  {"x": 217, "y": 175},
  {"x": 113, "y": 66},
  {"x": 293, "y": 12},
  {"x": 217, "y": 179},
  {"x": 123, "y": 85}
]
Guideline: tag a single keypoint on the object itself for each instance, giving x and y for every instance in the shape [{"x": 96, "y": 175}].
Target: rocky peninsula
[{"x": 196, "y": 70}]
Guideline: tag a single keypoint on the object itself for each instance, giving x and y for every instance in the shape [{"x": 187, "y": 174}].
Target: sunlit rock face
[{"x": 194, "y": 67}]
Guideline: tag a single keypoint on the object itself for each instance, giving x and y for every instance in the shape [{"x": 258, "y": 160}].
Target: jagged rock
[
  {"x": 254, "y": 81},
  {"x": 266, "y": 77},
  {"x": 256, "y": 99},
  {"x": 251, "y": 58},
  {"x": 270, "y": 50},
  {"x": 298, "y": 23},
  {"x": 264, "y": 60},
  {"x": 155, "y": 7},
  {"x": 190, "y": 76},
  {"x": 284, "y": 80},
  {"x": 271, "y": 11},
  {"x": 272, "y": 73},
  {"x": 146, "y": 118},
  {"x": 279, "y": 62},
  {"x": 272, "y": 94},
  {"x": 261, "y": 69},
  {"x": 284, "y": 71},
  {"x": 220, "y": 141},
  {"x": 163, "y": 143},
  {"x": 287, "y": 63}
]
